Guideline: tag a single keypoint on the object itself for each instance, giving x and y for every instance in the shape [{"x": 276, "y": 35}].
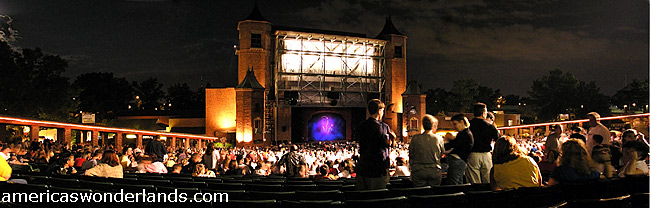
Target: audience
[{"x": 634, "y": 155}]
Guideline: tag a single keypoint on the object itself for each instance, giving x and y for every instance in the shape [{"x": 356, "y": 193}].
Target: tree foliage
[
  {"x": 634, "y": 95},
  {"x": 150, "y": 94},
  {"x": 33, "y": 85},
  {"x": 102, "y": 93},
  {"x": 561, "y": 93},
  {"x": 182, "y": 98}
]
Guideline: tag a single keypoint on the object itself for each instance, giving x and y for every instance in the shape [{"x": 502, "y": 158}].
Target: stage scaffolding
[{"x": 317, "y": 70}]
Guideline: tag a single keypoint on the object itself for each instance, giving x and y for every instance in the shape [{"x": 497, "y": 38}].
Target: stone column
[
  {"x": 94, "y": 136},
  {"x": 138, "y": 141},
  {"x": 118, "y": 141},
  {"x": 33, "y": 132},
  {"x": 172, "y": 142}
]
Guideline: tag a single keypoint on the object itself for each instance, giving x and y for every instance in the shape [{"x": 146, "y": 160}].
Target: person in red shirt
[{"x": 80, "y": 160}]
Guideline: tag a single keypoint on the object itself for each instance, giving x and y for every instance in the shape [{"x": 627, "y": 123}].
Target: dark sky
[{"x": 504, "y": 44}]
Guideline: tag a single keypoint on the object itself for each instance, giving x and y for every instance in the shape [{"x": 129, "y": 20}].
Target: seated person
[
  {"x": 201, "y": 171},
  {"x": 109, "y": 166},
  {"x": 401, "y": 169},
  {"x": 634, "y": 155},
  {"x": 176, "y": 169},
  {"x": 574, "y": 165},
  {"x": 512, "y": 167},
  {"x": 64, "y": 166}
]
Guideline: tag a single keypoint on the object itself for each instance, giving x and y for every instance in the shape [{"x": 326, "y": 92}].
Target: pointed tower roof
[
  {"x": 412, "y": 88},
  {"x": 255, "y": 14},
  {"x": 389, "y": 28},
  {"x": 250, "y": 81}
]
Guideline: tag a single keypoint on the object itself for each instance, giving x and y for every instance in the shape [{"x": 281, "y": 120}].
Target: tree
[
  {"x": 32, "y": 85},
  {"x": 634, "y": 95},
  {"x": 561, "y": 93},
  {"x": 463, "y": 94},
  {"x": 149, "y": 94},
  {"x": 102, "y": 93},
  {"x": 436, "y": 101},
  {"x": 181, "y": 97}
]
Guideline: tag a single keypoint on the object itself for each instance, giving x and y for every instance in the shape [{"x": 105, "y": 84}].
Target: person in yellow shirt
[
  {"x": 5, "y": 170},
  {"x": 512, "y": 168}
]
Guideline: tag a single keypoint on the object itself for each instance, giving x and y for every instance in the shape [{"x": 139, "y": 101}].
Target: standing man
[
  {"x": 595, "y": 127},
  {"x": 157, "y": 148},
  {"x": 552, "y": 145},
  {"x": 425, "y": 152},
  {"x": 458, "y": 150},
  {"x": 374, "y": 140},
  {"x": 479, "y": 161}
]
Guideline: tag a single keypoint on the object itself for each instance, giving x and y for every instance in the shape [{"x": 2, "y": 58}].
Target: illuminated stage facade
[{"x": 301, "y": 85}]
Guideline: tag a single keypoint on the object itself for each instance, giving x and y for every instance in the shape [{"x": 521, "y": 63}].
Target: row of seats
[{"x": 530, "y": 197}]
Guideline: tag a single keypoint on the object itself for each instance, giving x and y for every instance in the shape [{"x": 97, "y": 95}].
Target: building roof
[
  {"x": 250, "y": 81},
  {"x": 255, "y": 14},
  {"x": 141, "y": 124},
  {"x": 319, "y": 31},
  {"x": 412, "y": 88},
  {"x": 389, "y": 29}
]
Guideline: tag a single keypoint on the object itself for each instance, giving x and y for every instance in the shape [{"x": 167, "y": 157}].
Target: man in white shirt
[{"x": 595, "y": 127}]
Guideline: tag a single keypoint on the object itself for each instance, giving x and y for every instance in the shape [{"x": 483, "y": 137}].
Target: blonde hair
[
  {"x": 506, "y": 150},
  {"x": 574, "y": 154}
]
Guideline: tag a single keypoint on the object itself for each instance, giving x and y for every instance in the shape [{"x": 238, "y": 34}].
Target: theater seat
[
  {"x": 248, "y": 204},
  {"x": 425, "y": 190},
  {"x": 366, "y": 194},
  {"x": 320, "y": 195},
  {"x": 599, "y": 203},
  {"x": 311, "y": 204},
  {"x": 394, "y": 202},
  {"x": 442, "y": 200},
  {"x": 277, "y": 195}
]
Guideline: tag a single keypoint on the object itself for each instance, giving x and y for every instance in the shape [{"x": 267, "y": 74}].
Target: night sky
[{"x": 503, "y": 44}]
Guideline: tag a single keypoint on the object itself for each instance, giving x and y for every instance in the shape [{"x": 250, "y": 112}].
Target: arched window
[{"x": 413, "y": 124}]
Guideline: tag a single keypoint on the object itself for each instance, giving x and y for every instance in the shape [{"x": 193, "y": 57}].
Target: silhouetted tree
[
  {"x": 102, "y": 93},
  {"x": 561, "y": 93},
  {"x": 634, "y": 95},
  {"x": 149, "y": 94}
]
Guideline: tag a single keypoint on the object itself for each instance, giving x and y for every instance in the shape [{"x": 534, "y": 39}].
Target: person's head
[
  {"x": 489, "y": 117},
  {"x": 573, "y": 153},
  {"x": 557, "y": 128},
  {"x": 85, "y": 155},
  {"x": 177, "y": 168},
  {"x": 294, "y": 148},
  {"x": 128, "y": 151},
  {"x": 399, "y": 161},
  {"x": 505, "y": 150},
  {"x": 5, "y": 148},
  {"x": 323, "y": 170},
  {"x": 635, "y": 150},
  {"x": 460, "y": 122},
  {"x": 576, "y": 129},
  {"x": 66, "y": 159},
  {"x": 109, "y": 157},
  {"x": 429, "y": 122},
  {"x": 629, "y": 135},
  {"x": 98, "y": 154},
  {"x": 196, "y": 158},
  {"x": 376, "y": 107},
  {"x": 593, "y": 118},
  {"x": 199, "y": 169},
  {"x": 598, "y": 138},
  {"x": 480, "y": 110}
]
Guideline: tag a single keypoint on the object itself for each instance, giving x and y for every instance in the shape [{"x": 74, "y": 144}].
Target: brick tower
[
  {"x": 250, "y": 110},
  {"x": 395, "y": 72},
  {"x": 415, "y": 106}
]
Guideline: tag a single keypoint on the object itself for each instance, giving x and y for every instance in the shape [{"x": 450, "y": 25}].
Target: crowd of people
[{"x": 476, "y": 154}]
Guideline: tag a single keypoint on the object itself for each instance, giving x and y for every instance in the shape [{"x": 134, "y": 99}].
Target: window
[
  {"x": 257, "y": 124},
  {"x": 398, "y": 52},
  {"x": 256, "y": 40},
  {"x": 413, "y": 124}
]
